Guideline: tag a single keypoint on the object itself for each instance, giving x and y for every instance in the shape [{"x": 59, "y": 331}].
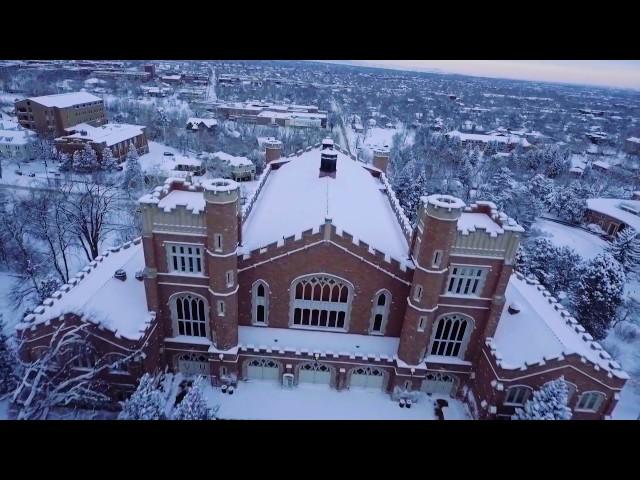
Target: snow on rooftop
[
  {"x": 477, "y": 137},
  {"x": 470, "y": 222},
  {"x": 110, "y": 134},
  {"x": 233, "y": 160},
  {"x": 539, "y": 331},
  {"x": 209, "y": 122},
  {"x": 633, "y": 139},
  {"x": 295, "y": 199},
  {"x": 316, "y": 341},
  {"x": 16, "y": 137},
  {"x": 193, "y": 201},
  {"x": 614, "y": 207},
  {"x": 64, "y": 100},
  {"x": 120, "y": 306}
]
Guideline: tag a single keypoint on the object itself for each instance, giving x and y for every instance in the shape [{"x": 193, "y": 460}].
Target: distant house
[
  {"x": 16, "y": 143},
  {"x": 613, "y": 214},
  {"x": 240, "y": 168},
  {"x": 202, "y": 124},
  {"x": 505, "y": 141}
]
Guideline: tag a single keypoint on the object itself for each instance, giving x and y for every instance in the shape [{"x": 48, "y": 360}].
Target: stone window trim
[
  {"x": 218, "y": 244},
  {"x": 260, "y": 301},
  {"x": 417, "y": 293},
  {"x": 380, "y": 313},
  {"x": 229, "y": 278},
  {"x": 341, "y": 308},
  {"x": 221, "y": 308},
  {"x": 447, "y": 341},
  {"x": 517, "y": 395},
  {"x": 422, "y": 324},
  {"x": 437, "y": 259},
  {"x": 175, "y": 321},
  {"x": 590, "y": 401}
]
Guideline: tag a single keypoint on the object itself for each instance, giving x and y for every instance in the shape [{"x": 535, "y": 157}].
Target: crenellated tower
[{"x": 433, "y": 239}]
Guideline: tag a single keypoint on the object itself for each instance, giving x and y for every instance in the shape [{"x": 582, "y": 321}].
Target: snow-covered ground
[
  {"x": 264, "y": 400},
  {"x": 586, "y": 244}
]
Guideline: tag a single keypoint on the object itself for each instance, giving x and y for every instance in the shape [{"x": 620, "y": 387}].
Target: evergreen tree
[
  {"x": 500, "y": 189},
  {"x": 146, "y": 403},
  {"x": 626, "y": 249},
  {"x": 133, "y": 179},
  {"x": 599, "y": 294},
  {"x": 557, "y": 268},
  {"x": 8, "y": 362},
  {"x": 193, "y": 406},
  {"x": 108, "y": 160},
  {"x": 76, "y": 160},
  {"x": 66, "y": 162},
  {"x": 548, "y": 403},
  {"x": 88, "y": 159}
]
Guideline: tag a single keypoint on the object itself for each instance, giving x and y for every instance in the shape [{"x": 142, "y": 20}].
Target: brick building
[
  {"x": 52, "y": 115},
  {"x": 613, "y": 214},
  {"x": 116, "y": 136},
  {"x": 320, "y": 278}
]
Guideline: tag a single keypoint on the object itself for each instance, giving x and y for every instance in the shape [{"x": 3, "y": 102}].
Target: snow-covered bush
[
  {"x": 548, "y": 403},
  {"x": 146, "y": 403},
  {"x": 193, "y": 406}
]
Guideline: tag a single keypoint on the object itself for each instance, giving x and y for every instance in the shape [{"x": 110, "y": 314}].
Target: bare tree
[
  {"x": 88, "y": 212},
  {"x": 54, "y": 381}
]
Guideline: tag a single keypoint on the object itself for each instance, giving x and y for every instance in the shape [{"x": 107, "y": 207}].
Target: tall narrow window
[
  {"x": 422, "y": 323},
  {"x": 221, "y": 311},
  {"x": 190, "y": 315},
  {"x": 437, "y": 256},
  {"x": 230, "y": 278},
  {"x": 451, "y": 333},
  {"x": 260, "y": 303},
  {"x": 417, "y": 293},
  {"x": 217, "y": 241},
  {"x": 380, "y": 311}
]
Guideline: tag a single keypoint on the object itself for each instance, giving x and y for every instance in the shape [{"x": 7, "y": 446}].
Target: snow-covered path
[{"x": 268, "y": 400}]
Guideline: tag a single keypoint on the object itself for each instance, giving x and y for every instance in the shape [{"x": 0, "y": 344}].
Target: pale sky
[{"x": 608, "y": 73}]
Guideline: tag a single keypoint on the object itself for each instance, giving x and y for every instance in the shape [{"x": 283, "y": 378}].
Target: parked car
[
  {"x": 32, "y": 174},
  {"x": 119, "y": 168},
  {"x": 168, "y": 154},
  {"x": 18, "y": 172}
]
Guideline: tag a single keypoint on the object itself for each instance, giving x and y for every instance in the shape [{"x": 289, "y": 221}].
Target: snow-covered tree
[
  {"x": 76, "y": 160},
  {"x": 500, "y": 189},
  {"x": 133, "y": 179},
  {"x": 8, "y": 376},
  {"x": 599, "y": 294},
  {"x": 108, "y": 160},
  {"x": 146, "y": 403},
  {"x": 625, "y": 248},
  {"x": 66, "y": 162},
  {"x": 548, "y": 403},
  {"x": 567, "y": 202},
  {"x": 193, "y": 406},
  {"x": 51, "y": 381},
  {"x": 88, "y": 161}
]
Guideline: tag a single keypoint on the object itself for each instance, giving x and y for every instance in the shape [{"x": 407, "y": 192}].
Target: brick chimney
[
  {"x": 328, "y": 163},
  {"x": 381, "y": 157},
  {"x": 273, "y": 150}
]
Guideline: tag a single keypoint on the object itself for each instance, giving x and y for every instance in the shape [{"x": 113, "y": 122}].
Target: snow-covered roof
[
  {"x": 542, "y": 330},
  {"x": 193, "y": 201},
  {"x": 64, "y": 100},
  {"x": 470, "y": 222},
  {"x": 294, "y": 199},
  {"x": 602, "y": 164},
  {"x": 614, "y": 207},
  {"x": 633, "y": 139},
  {"x": 110, "y": 134},
  {"x": 94, "y": 294},
  {"x": 290, "y": 339},
  {"x": 15, "y": 137},
  {"x": 209, "y": 122},
  {"x": 233, "y": 160},
  {"x": 477, "y": 137}
]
